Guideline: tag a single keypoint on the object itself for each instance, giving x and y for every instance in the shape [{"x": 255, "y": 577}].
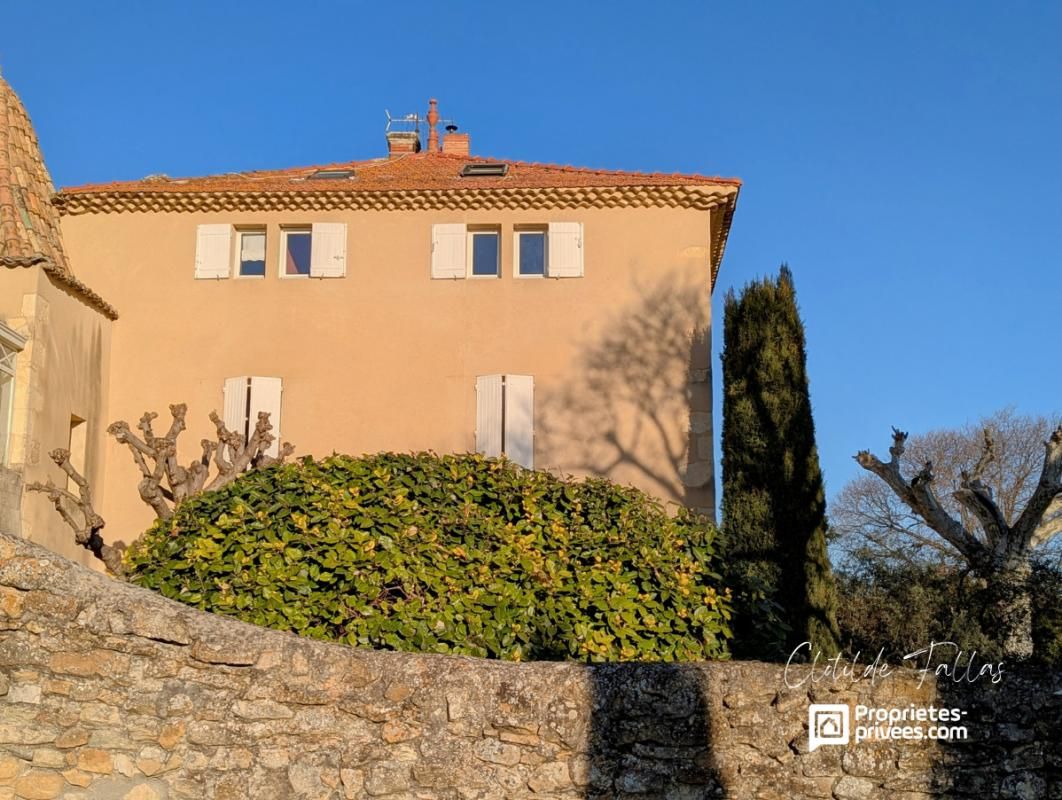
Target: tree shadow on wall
[
  {"x": 650, "y": 733},
  {"x": 638, "y": 406}
]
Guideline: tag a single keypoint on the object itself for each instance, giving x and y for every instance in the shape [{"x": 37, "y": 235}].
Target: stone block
[{"x": 39, "y": 785}]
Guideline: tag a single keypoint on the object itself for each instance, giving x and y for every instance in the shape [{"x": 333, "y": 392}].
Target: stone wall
[
  {"x": 10, "y": 499},
  {"x": 109, "y": 691}
]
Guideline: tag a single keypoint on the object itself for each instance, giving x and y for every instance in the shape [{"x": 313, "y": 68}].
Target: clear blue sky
[{"x": 905, "y": 158}]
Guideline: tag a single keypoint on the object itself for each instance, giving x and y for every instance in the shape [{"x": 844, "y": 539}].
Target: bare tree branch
[
  {"x": 165, "y": 482},
  {"x": 1048, "y": 488},
  {"x": 1050, "y": 526},
  {"x": 87, "y": 528},
  {"x": 919, "y": 495},
  {"x": 1004, "y": 556},
  {"x": 977, "y": 498}
]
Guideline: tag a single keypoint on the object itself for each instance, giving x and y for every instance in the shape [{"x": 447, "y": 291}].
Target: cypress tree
[{"x": 774, "y": 505}]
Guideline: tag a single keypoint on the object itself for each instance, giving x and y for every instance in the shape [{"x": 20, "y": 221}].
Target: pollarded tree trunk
[
  {"x": 1001, "y": 552},
  {"x": 164, "y": 482},
  {"x": 77, "y": 512},
  {"x": 1010, "y": 610}
]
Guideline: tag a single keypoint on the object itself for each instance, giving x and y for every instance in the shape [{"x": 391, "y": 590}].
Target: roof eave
[
  {"x": 64, "y": 279},
  {"x": 724, "y": 233}
]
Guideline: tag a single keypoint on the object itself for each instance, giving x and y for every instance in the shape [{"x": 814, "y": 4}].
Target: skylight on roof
[
  {"x": 332, "y": 174},
  {"x": 484, "y": 170}
]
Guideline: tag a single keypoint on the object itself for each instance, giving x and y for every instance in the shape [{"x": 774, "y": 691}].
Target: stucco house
[
  {"x": 424, "y": 299},
  {"x": 54, "y": 341}
]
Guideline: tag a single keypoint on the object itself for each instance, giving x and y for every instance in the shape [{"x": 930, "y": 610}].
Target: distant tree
[
  {"x": 774, "y": 506},
  {"x": 900, "y": 608},
  {"x": 873, "y": 527},
  {"x": 994, "y": 534}
]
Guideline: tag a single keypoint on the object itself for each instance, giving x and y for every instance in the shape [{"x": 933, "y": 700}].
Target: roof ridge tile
[{"x": 417, "y": 171}]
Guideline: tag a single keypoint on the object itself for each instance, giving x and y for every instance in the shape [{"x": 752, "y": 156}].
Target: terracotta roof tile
[
  {"x": 417, "y": 171},
  {"x": 29, "y": 222}
]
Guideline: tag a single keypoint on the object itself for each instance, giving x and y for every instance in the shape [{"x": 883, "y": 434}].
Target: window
[
  {"x": 331, "y": 174},
  {"x": 11, "y": 345},
  {"x": 78, "y": 447},
  {"x": 531, "y": 252},
  {"x": 488, "y": 169},
  {"x": 483, "y": 253},
  {"x": 295, "y": 250},
  {"x": 245, "y": 397},
  {"x": 7, "y": 391},
  {"x": 505, "y": 417},
  {"x": 318, "y": 250},
  {"x": 250, "y": 253}
]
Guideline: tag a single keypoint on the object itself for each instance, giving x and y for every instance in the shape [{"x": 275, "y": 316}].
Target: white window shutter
[
  {"x": 520, "y": 419},
  {"x": 565, "y": 241},
  {"x": 448, "y": 244},
  {"x": 265, "y": 396},
  {"x": 328, "y": 250},
  {"x": 235, "y": 415},
  {"x": 489, "y": 415},
  {"x": 213, "y": 251}
]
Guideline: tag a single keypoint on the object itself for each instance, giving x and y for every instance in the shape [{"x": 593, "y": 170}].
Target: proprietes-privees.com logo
[{"x": 830, "y": 723}]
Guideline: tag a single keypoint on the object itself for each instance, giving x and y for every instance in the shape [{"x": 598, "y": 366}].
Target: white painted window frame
[
  {"x": 282, "y": 261},
  {"x": 11, "y": 344},
  {"x": 240, "y": 231},
  {"x": 518, "y": 232},
  {"x": 479, "y": 230}
]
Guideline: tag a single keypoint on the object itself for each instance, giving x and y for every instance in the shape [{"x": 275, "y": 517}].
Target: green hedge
[
  {"x": 446, "y": 554},
  {"x": 902, "y": 608}
]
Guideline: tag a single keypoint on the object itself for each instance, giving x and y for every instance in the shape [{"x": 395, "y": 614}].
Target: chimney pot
[
  {"x": 400, "y": 143},
  {"x": 433, "y": 120},
  {"x": 456, "y": 143}
]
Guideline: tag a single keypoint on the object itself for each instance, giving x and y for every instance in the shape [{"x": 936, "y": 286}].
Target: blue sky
[{"x": 905, "y": 158}]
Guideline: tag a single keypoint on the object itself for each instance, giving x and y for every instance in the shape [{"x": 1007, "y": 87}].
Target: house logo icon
[{"x": 827, "y": 724}]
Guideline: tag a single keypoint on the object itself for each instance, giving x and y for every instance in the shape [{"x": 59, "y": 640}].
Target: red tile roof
[
  {"x": 29, "y": 222},
  {"x": 417, "y": 171}
]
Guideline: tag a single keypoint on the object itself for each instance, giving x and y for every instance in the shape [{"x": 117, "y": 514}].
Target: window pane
[
  {"x": 7, "y": 384},
  {"x": 484, "y": 254},
  {"x": 297, "y": 257},
  {"x": 533, "y": 253},
  {"x": 252, "y": 253}
]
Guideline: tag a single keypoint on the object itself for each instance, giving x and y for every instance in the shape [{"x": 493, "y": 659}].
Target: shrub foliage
[
  {"x": 447, "y": 554},
  {"x": 902, "y": 608}
]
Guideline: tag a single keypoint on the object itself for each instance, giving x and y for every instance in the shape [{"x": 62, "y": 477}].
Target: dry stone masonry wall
[
  {"x": 10, "y": 498},
  {"x": 109, "y": 691}
]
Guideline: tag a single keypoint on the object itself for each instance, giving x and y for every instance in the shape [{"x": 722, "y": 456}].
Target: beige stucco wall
[
  {"x": 61, "y": 372},
  {"x": 387, "y": 358}
]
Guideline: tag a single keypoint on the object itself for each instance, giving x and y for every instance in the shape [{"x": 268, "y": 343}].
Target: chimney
[
  {"x": 433, "y": 120},
  {"x": 400, "y": 143},
  {"x": 456, "y": 143}
]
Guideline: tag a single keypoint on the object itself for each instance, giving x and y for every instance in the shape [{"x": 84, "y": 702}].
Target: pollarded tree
[
  {"x": 164, "y": 481},
  {"x": 874, "y": 527},
  {"x": 995, "y": 545},
  {"x": 774, "y": 506}
]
